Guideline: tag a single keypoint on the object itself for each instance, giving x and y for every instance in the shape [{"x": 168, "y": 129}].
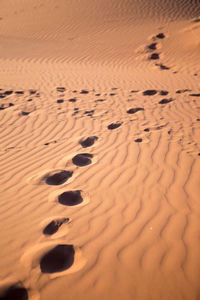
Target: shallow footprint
[
  {"x": 82, "y": 159},
  {"x": 89, "y": 141},
  {"x": 14, "y": 293},
  {"x": 54, "y": 225},
  {"x": 139, "y": 140},
  {"x": 58, "y": 178},
  {"x": 134, "y": 110},
  {"x": 58, "y": 259},
  {"x": 149, "y": 92},
  {"x": 165, "y": 101},
  {"x": 70, "y": 198},
  {"x": 114, "y": 126}
]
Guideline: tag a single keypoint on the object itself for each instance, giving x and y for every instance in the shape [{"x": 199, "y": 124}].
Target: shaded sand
[{"x": 99, "y": 150}]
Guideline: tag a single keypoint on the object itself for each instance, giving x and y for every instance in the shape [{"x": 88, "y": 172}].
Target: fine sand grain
[{"x": 99, "y": 149}]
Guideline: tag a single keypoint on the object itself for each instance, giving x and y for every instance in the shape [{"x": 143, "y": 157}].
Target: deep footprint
[
  {"x": 70, "y": 198},
  {"x": 134, "y": 110},
  {"x": 59, "y": 178},
  {"x": 149, "y": 92},
  {"x": 114, "y": 126},
  {"x": 152, "y": 46},
  {"x": 82, "y": 159},
  {"x": 15, "y": 293},
  {"x": 58, "y": 259},
  {"x": 154, "y": 56},
  {"x": 89, "y": 141},
  {"x": 160, "y": 35},
  {"x": 54, "y": 225},
  {"x": 165, "y": 101}
]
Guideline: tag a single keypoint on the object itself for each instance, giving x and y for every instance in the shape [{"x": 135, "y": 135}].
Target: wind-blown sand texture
[{"x": 99, "y": 149}]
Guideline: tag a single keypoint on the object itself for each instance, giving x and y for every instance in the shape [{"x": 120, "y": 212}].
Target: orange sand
[{"x": 133, "y": 231}]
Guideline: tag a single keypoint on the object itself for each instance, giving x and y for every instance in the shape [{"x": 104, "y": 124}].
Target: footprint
[
  {"x": 61, "y": 89},
  {"x": 4, "y": 106},
  {"x": 149, "y": 92},
  {"x": 134, "y": 110},
  {"x": 164, "y": 93},
  {"x": 25, "y": 113},
  {"x": 134, "y": 91},
  {"x": 82, "y": 159},
  {"x": 114, "y": 126},
  {"x": 195, "y": 95},
  {"x": 89, "y": 113},
  {"x": 54, "y": 225},
  {"x": 162, "y": 67},
  {"x": 32, "y": 92},
  {"x": 165, "y": 101},
  {"x": 2, "y": 95},
  {"x": 146, "y": 129},
  {"x": 99, "y": 100},
  {"x": 84, "y": 92},
  {"x": 72, "y": 100},
  {"x": 70, "y": 198},
  {"x": 160, "y": 35},
  {"x": 58, "y": 178},
  {"x": 154, "y": 56},
  {"x": 7, "y": 93},
  {"x": 88, "y": 142},
  {"x": 60, "y": 101},
  {"x": 152, "y": 46},
  {"x": 182, "y": 91},
  {"x": 19, "y": 92},
  {"x": 139, "y": 140},
  {"x": 14, "y": 292},
  {"x": 58, "y": 259}
]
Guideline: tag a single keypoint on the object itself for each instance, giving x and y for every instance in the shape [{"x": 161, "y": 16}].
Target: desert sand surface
[{"x": 99, "y": 150}]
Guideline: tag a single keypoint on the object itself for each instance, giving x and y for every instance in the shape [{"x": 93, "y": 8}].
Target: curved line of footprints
[{"x": 61, "y": 257}]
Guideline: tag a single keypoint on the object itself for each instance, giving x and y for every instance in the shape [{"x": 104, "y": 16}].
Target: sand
[{"x": 99, "y": 150}]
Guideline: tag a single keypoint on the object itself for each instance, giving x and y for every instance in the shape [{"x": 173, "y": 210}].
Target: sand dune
[{"x": 99, "y": 151}]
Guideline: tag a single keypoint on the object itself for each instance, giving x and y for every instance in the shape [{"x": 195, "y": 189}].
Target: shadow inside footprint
[
  {"x": 59, "y": 178},
  {"x": 54, "y": 225},
  {"x": 152, "y": 46},
  {"x": 61, "y": 89},
  {"x": 70, "y": 198},
  {"x": 139, "y": 140},
  {"x": 114, "y": 126},
  {"x": 194, "y": 95},
  {"x": 149, "y": 92},
  {"x": 15, "y": 293},
  {"x": 165, "y": 101},
  {"x": 134, "y": 110},
  {"x": 160, "y": 35},
  {"x": 84, "y": 92},
  {"x": 89, "y": 141},
  {"x": 8, "y": 92},
  {"x": 58, "y": 259},
  {"x": 164, "y": 93},
  {"x": 163, "y": 67},
  {"x": 60, "y": 101},
  {"x": 82, "y": 159},
  {"x": 19, "y": 92},
  {"x": 154, "y": 56}
]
